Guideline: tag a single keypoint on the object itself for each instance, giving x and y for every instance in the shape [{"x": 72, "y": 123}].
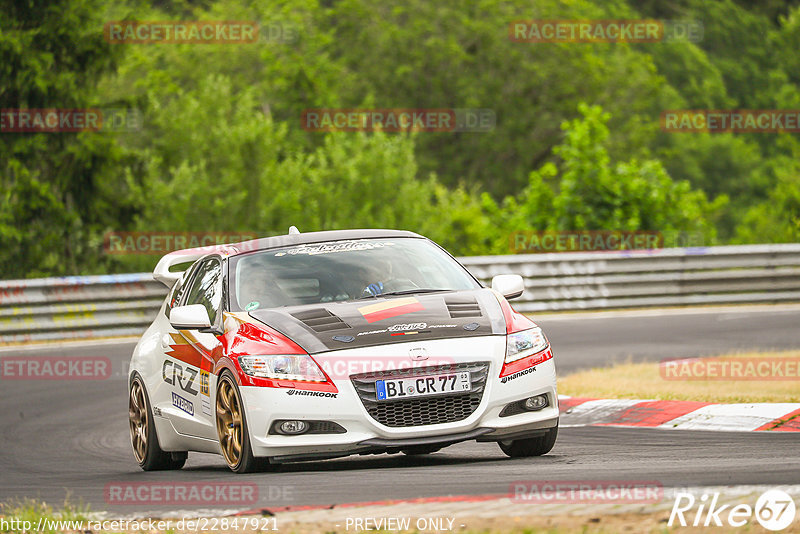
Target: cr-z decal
[{"x": 176, "y": 374}]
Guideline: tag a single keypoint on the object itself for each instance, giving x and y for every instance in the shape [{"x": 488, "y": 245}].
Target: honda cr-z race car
[{"x": 326, "y": 344}]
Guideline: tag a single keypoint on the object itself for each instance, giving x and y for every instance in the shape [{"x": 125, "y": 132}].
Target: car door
[{"x": 190, "y": 357}]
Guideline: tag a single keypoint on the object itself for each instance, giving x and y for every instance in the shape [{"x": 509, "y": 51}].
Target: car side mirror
[
  {"x": 191, "y": 317},
  {"x": 510, "y": 286}
]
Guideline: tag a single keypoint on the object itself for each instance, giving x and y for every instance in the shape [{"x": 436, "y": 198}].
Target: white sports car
[{"x": 326, "y": 344}]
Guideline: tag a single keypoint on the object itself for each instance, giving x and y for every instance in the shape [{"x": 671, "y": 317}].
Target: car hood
[{"x": 345, "y": 325}]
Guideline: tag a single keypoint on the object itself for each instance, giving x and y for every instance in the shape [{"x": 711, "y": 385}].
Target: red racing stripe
[
  {"x": 393, "y": 312},
  {"x": 186, "y": 354}
]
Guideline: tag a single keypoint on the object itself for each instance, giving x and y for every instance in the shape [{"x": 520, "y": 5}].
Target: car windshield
[{"x": 342, "y": 270}]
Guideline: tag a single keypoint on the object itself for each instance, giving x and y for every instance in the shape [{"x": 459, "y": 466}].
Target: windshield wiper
[
  {"x": 404, "y": 292},
  {"x": 412, "y": 291}
]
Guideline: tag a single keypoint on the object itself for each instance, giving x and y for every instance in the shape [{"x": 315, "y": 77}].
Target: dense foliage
[{"x": 577, "y": 142}]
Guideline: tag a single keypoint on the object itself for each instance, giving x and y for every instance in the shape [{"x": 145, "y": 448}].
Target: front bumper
[{"x": 365, "y": 435}]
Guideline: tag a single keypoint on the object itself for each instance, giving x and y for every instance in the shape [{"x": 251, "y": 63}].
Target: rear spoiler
[
  {"x": 166, "y": 276},
  {"x": 163, "y": 274}
]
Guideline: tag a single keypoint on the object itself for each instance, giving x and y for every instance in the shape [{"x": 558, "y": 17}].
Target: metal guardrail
[
  {"x": 117, "y": 305},
  {"x": 662, "y": 277},
  {"x": 78, "y": 306}
]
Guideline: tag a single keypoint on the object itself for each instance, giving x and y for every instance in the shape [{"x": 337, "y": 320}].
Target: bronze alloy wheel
[
  {"x": 137, "y": 417},
  {"x": 230, "y": 427},
  {"x": 144, "y": 439}
]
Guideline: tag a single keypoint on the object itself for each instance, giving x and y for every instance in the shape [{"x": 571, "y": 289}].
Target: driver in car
[
  {"x": 381, "y": 280},
  {"x": 258, "y": 289}
]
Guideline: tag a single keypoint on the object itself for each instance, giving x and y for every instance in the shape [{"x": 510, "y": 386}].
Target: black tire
[
  {"x": 148, "y": 453},
  {"x": 229, "y": 437},
  {"x": 523, "y": 448}
]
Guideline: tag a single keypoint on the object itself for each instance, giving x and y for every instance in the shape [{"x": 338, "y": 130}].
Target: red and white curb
[{"x": 685, "y": 415}]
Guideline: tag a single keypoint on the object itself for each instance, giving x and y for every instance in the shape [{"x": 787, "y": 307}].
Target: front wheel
[
  {"x": 234, "y": 440},
  {"x": 144, "y": 440},
  {"x": 523, "y": 448}
]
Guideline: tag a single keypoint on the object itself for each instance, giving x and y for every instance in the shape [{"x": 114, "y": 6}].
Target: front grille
[
  {"x": 432, "y": 410},
  {"x": 515, "y": 408}
]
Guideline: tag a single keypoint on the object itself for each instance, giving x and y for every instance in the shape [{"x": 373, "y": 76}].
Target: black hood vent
[
  {"x": 331, "y": 326},
  {"x": 463, "y": 308},
  {"x": 320, "y": 320}
]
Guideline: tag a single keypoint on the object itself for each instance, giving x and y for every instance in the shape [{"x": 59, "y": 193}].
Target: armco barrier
[
  {"x": 78, "y": 306},
  {"x": 115, "y": 305},
  {"x": 662, "y": 277}
]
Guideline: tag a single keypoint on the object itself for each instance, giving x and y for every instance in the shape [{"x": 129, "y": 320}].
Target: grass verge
[
  {"x": 29, "y": 515},
  {"x": 651, "y": 380},
  {"x": 582, "y": 518}
]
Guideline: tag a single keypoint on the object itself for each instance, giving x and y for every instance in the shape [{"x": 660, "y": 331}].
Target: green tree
[
  {"x": 592, "y": 192},
  {"x": 59, "y": 190},
  {"x": 228, "y": 166},
  {"x": 777, "y": 219}
]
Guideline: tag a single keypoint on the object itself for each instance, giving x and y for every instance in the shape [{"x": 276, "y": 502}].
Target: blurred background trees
[{"x": 577, "y": 144}]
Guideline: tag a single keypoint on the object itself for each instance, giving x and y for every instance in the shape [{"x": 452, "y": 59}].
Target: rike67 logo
[{"x": 774, "y": 510}]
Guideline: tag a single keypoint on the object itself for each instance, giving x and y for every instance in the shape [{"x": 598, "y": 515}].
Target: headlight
[
  {"x": 283, "y": 367},
  {"x": 524, "y": 344}
]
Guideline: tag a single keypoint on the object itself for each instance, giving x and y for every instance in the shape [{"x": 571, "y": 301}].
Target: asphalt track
[{"x": 64, "y": 438}]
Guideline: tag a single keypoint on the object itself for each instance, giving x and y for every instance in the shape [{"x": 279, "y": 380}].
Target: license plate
[{"x": 422, "y": 386}]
